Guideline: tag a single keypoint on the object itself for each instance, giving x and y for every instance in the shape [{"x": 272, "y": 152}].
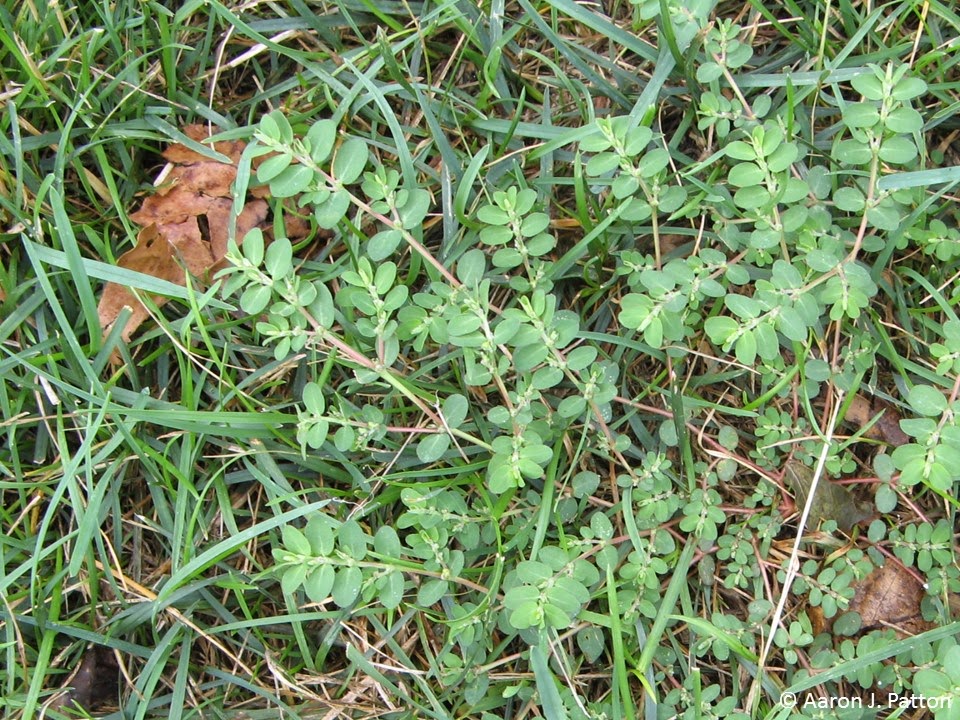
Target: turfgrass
[{"x": 165, "y": 508}]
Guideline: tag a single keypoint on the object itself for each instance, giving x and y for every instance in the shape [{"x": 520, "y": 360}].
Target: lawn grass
[{"x": 664, "y": 551}]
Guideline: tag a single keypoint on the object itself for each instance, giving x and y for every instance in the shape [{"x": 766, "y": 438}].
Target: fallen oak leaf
[
  {"x": 830, "y": 502},
  {"x": 208, "y": 178},
  {"x": 172, "y": 213},
  {"x": 185, "y": 162},
  {"x": 862, "y": 411},
  {"x": 149, "y": 256},
  {"x": 186, "y": 226},
  {"x": 182, "y": 155},
  {"x": 180, "y": 249},
  {"x": 890, "y": 596}
]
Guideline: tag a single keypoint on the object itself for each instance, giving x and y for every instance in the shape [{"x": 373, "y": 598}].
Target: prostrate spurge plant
[{"x": 568, "y": 508}]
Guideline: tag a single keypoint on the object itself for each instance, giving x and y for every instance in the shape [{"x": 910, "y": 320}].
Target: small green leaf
[
  {"x": 275, "y": 126},
  {"x": 350, "y": 160},
  {"x": 331, "y": 211},
  {"x": 279, "y": 258},
  {"x": 868, "y": 85},
  {"x": 431, "y": 591},
  {"x": 791, "y": 324},
  {"x": 344, "y": 438},
  {"x": 346, "y": 586},
  {"x": 821, "y": 261},
  {"x": 455, "y": 410},
  {"x": 293, "y": 578},
  {"x": 861, "y": 115},
  {"x": 927, "y": 400},
  {"x": 320, "y": 532},
  {"x": 636, "y": 139},
  {"x": 783, "y": 157},
  {"x": 387, "y": 543},
  {"x": 898, "y": 150},
  {"x": 572, "y": 406},
  {"x": 526, "y": 615},
  {"x": 319, "y": 582},
  {"x": 291, "y": 181},
  {"x": 295, "y": 541},
  {"x": 853, "y": 152},
  {"x": 745, "y": 174},
  {"x": 653, "y": 162},
  {"x": 313, "y": 398},
  {"x": 547, "y": 377},
  {"x": 601, "y": 526},
  {"x": 415, "y": 209},
  {"x": 746, "y": 348},
  {"x": 273, "y": 166},
  {"x": 471, "y": 266},
  {"x": 624, "y": 186},
  {"x": 904, "y": 120},
  {"x": 432, "y": 447},
  {"x": 909, "y": 88},
  {"x": 534, "y": 224},
  {"x": 849, "y": 199},
  {"x": 320, "y": 139},
  {"x": 768, "y": 346},
  {"x": 581, "y": 357},
  {"x": 739, "y": 150},
  {"x": 721, "y": 328},
  {"x": 634, "y": 310},
  {"x": 353, "y": 540},
  {"x": 742, "y": 306},
  {"x": 383, "y": 244},
  {"x": 556, "y": 618},
  {"x": 751, "y": 198},
  {"x": 496, "y": 235},
  {"x": 885, "y": 216},
  {"x": 322, "y": 308},
  {"x": 391, "y": 588},
  {"x": 492, "y": 215},
  {"x": 384, "y": 277},
  {"x": 255, "y": 299},
  {"x": 708, "y": 72},
  {"x": 315, "y": 435},
  {"x": 253, "y": 246},
  {"x": 602, "y": 164},
  {"x": 885, "y": 499}
]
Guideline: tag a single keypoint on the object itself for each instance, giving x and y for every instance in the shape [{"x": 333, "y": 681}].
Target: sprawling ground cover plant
[{"x": 534, "y": 392}]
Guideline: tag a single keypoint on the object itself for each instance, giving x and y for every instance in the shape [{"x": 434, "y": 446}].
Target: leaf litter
[{"x": 185, "y": 224}]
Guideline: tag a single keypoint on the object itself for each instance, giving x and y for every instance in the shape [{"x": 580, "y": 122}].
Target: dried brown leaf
[
  {"x": 163, "y": 257},
  {"x": 206, "y": 178},
  {"x": 889, "y": 424},
  {"x": 831, "y": 501},
  {"x": 185, "y": 225},
  {"x": 887, "y": 428},
  {"x": 182, "y": 155},
  {"x": 890, "y": 596}
]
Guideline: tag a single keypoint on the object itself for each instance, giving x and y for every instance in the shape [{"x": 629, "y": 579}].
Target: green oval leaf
[
  {"x": 432, "y": 447},
  {"x": 346, "y": 586},
  {"x": 350, "y": 160},
  {"x": 292, "y": 181},
  {"x": 927, "y": 400},
  {"x": 319, "y": 583}
]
